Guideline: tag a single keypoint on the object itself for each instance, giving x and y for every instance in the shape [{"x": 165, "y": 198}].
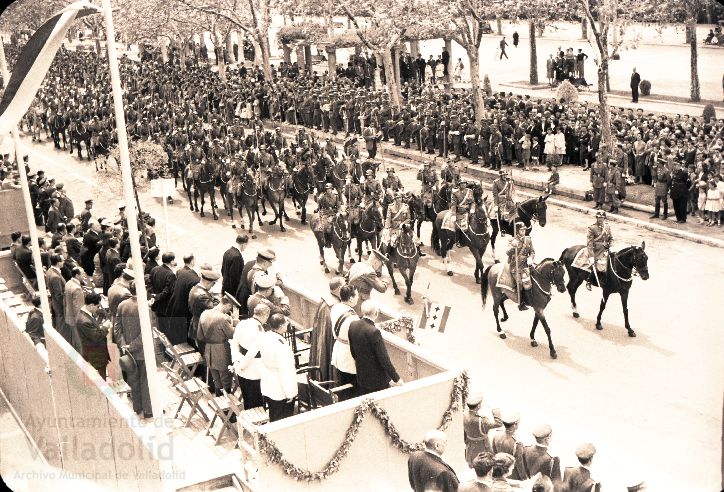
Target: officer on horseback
[
  {"x": 328, "y": 205},
  {"x": 429, "y": 181},
  {"x": 597, "y": 246},
  {"x": 503, "y": 200},
  {"x": 372, "y": 188},
  {"x": 520, "y": 257},
  {"x": 461, "y": 201},
  {"x": 352, "y": 198}
]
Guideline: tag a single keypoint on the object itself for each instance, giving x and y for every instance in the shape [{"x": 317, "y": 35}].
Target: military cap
[
  {"x": 378, "y": 254},
  {"x": 128, "y": 272},
  {"x": 585, "y": 451},
  {"x": 601, "y": 213},
  {"x": 390, "y": 169},
  {"x": 267, "y": 254},
  {"x": 208, "y": 273},
  {"x": 509, "y": 416},
  {"x": 264, "y": 280},
  {"x": 475, "y": 397},
  {"x": 368, "y": 172},
  {"x": 542, "y": 431}
]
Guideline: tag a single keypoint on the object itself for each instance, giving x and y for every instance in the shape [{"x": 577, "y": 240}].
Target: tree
[{"x": 29, "y": 14}]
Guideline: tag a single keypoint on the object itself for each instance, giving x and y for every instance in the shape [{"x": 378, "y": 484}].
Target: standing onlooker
[
  {"x": 56, "y": 288},
  {"x": 506, "y": 442},
  {"x": 321, "y": 340},
  {"x": 163, "y": 281},
  {"x": 504, "y": 466},
  {"x": 516, "y": 38},
  {"x": 502, "y": 45},
  {"x": 635, "y": 81},
  {"x": 476, "y": 428},
  {"x": 525, "y": 146},
  {"x": 93, "y": 336},
  {"x": 112, "y": 258},
  {"x": 483, "y": 465},
  {"x": 374, "y": 367},
  {"x": 550, "y": 69},
  {"x": 432, "y": 64},
  {"x": 34, "y": 322},
  {"x": 232, "y": 265},
  {"x": 246, "y": 358},
  {"x": 598, "y": 182},
  {"x": 363, "y": 275},
  {"x": 537, "y": 458},
  {"x": 200, "y": 299},
  {"x": 549, "y": 150},
  {"x": 639, "y": 150},
  {"x": 579, "y": 479},
  {"x": 615, "y": 184},
  {"x": 458, "y": 71},
  {"x": 662, "y": 184},
  {"x": 426, "y": 470},
  {"x": 215, "y": 330},
  {"x": 278, "y": 371},
  {"x": 74, "y": 300},
  {"x": 580, "y": 62},
  {"x": 341, "y": 316},
  {"x": 560, "y": 145},
  {"x": 445, "y": 57},
  {"x": 680, "y": 184},
  {"x": 178, "y": 307},
  {"x": 713, "y": 204}
]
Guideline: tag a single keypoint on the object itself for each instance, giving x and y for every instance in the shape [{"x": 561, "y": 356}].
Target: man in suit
[
  {"x": 34, "y": 322},
  {"x": 91, "y": 246},
  {"x": 24, "y": 259},
  {"x": 278, "y": 371},
  {"x": 247, "y": 362},
  {"x": 578, "y": 479},
  {"x": 56, "y": 288},
  {"x": 426, "y": 469},
  {"x": 506, "y": 442},
  {"x": 86, "y": 215},
  {"x": 215, "y": 330},
  {"x": 483, "y": 466},
  {"x": 163, "y": 281},
  {"x": 73, "y": 299},
  {"x": 112, "y": 258},
  {"x": 128, "y": 325},
  {"x": 374, "y": 368},
  {"x": 635, "y": 81},
  {"x": 536, "y": 459},
  {"x": 178, "y": 310},
  {"x": 232, "y": 265},
  {"x": 93, "y": 337}
]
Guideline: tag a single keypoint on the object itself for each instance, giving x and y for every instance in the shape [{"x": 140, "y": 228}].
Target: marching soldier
[
  {"x": 461, "y": 201},
  {"x": 520, "y": 257},
  {"x": 536, "y": 459},
  {"x": 597, "y": 245},
  {"x": 328, "y": 205}
]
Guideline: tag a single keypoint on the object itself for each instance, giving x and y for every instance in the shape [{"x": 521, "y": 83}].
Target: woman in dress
[
  {"x": 549, "y": 148},
  {"x": 713, "y": 204}
]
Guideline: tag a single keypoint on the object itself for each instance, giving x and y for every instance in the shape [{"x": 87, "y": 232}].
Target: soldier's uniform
[
  {"x": 503, "y": 191},
  {"x": 598, "y": 242},
  {"x": 520, "y": 255},
  {"x": 429, "y": 180},
  {"x": 328, "y": 203},
  {"x": 536, "y": 458},
  {"x": 450, "y": 173},
  {"x": 461, "y": 200},
  {"x": 398, "y": 214},
  {"x": 391, "y": 184},
  {"x": 476, "y": 428},
  {"x": 599, "y": 174},
  {"x": 614, "y": 186},
  {"x": 372, "y": 189},
  {"x": 506, "y": 442}
]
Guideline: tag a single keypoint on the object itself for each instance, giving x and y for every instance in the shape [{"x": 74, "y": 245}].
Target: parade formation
[{"x": 300, "y": 163}]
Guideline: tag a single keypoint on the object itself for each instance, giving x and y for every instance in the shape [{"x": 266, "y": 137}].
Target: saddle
[
  {"x": 448, "y": 224},
  {"x": 506, "y": 283},
  {"x": 581, "y": 261}
]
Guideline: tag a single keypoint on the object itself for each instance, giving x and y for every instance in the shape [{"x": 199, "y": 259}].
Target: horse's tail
[
  {"x": 484, "y": 285},
  {"x": 435, "y": 239}
]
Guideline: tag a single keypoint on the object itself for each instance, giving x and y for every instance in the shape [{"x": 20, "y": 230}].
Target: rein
[
  {"x": 412, "y": 247},
  {"x": 366, "y": 216},
  {"x": 613, "y": 270},
  {"x": 336, "y": 233}
]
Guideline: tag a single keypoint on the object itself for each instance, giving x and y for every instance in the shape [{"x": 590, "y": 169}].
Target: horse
[
  {"x": 321, "y": 173},
  {"x": 188, "y": 184},
  {"x": 227, "y": 195},
  {"x": 338, "y": 175},
  {"x": 404, "y": 256},
  {"x": 422, "y": 212},
  {"x": 543, "y": 276},
  {"x": 340, "y": 239},
  {"x": 59, "y": 124},
  {"x": 368, "y": 229},
  {"x": 622, "y": 266},
  {"x": 247, "y": 197},
  {"x": 302, "y": 185},
  {"x": 204, "y": 183},
  {"x": 475, "y": 239},
  {"x": 79, "y": 134},
  {"x": 526, "y": 212},
  {"x": 101, "y": 148},
  {"x": 276, "y": 192}
]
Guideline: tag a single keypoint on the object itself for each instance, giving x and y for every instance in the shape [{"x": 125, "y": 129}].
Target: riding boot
[
  {"x": 419, "y": 251},
  {"x": 327, "y": 239},
  {"x": 521, "y": 301},
  {"x": 590, "y": 279}
]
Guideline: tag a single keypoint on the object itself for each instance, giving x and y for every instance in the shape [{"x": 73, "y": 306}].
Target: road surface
[{"x": 652, "y": 405}]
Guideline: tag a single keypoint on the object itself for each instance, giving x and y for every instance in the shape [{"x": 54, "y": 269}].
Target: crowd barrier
[{"x": 12, "y": 217}]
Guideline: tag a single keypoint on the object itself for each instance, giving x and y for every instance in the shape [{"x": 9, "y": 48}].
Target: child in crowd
[
  {"x": 534, "y": 151},
  {"x": 701, "y": 203},
  {"x": 713, "y": 204},
  {"x": 553, "y": 180},
  {"x": 525, "y": 146}
]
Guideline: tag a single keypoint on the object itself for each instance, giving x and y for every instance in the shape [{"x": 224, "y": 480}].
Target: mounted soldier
[
  {"x": 503, "y": 197},
  {"x": 520, "y": 257},
  {"x": 328, "y": 205},
  {"x": 461, "y": 200},
  {"x": 429, "y": 180},
  {"x": 351, "y": 198},
  {"x": 595, "y": 254},
  {"x": 372, "y": 188},
  {"x": 450, "y": 173},
  {"x": 398, "y": 214},
  {"x": 391, "y": 184}
]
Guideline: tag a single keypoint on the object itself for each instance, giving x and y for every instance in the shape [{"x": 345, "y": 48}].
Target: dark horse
[
  {"x": 340, "y": 239},
  {"x": 79, "y": 134},
  {"x": 476, "y": 238},
  {"x": 302, "y": 186},
  {"x": 247, "y": 197},
  {"x": 276, "y": 192},
  {"x": 404, "y": 256},
  {"x": 526, "y": 212},
  {"x": 368, "y": 229},
  {"x": 543, "y": 276},
  {"x": 622, "y": 267},
  {"x": 203, "y": 178},
  {"x": 422, "y": 212}
]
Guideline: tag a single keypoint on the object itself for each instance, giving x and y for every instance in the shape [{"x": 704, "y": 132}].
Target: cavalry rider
[
  {"x": 429, "y": 180},
  {"x": 520, "y": 257},
  {"x": 503, "y": 200},
  {"x": 391, "y": 184},
  {"x": 328, "y": 205},
  {"x": 398, "y": 214},
  {"x": 461, "y": 200},
  {"x": 450, "y": 172},
  {"x": 372, "y": 188},
  {"x": 597, "y": 245},
  {"x": 351, "y": 197}
]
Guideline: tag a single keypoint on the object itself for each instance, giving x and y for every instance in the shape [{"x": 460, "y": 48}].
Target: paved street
[{"x": 651, "y": 405}]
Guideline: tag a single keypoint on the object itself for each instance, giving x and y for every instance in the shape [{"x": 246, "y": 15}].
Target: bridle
[
  {"x": 634, "y": 270},
  {"x": 412, "y": 247},
  {"x": 343, "y": 238}
]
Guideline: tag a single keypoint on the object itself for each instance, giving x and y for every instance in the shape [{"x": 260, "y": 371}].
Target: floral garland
[
  {"x": 267, "y": 446},
  {"x": 399, "y": 324}
]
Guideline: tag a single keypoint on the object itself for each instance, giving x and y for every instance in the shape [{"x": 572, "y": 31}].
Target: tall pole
[
  {"x": 29, "y": 214},
  {"x": 146, "y": 333}
]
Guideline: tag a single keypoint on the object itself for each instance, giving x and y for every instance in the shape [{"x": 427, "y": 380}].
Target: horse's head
[
  {"x": 640, "y": 260},
  {"x": 341, "y": 225},
  {"x": 536, "y": 208},
  {"x": 555, "y": 272},
  {"x": 373, "y": 211}
]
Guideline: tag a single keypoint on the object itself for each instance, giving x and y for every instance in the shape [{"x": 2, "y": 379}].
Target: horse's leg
[
  {"x": 284, "y": 211},
  {"x": 212, "y": 196},
  {"x": 502, "y": 307},
  {"x": 547, "y": 328},
  {"x": 493, "y": 225},
  {"x": 392, "y": 276},
  {"x": 203, "y": 202},
  {"x": 322, "y": 261},
  {"x": 479, "y": 267},
  {"x": 533, "y": 343},
  {"x": 250, "y": 215},
  {"x": 359, "y": 248},
  {"x": 283, "y": 214},
  {"x": 196, "y": 198},
  {"x": 604, "y": 300},
  {"x": 258, "y": 217},
  {"x": 340, "y": 257},
  {"x": 496, "y": 307},
  {"x": 573, "y": 283},
  {"x": 276, "y": 212},
  {"x": 304, "y": 210},
  {"x": 408, "y": 274},
  {"x": 624, "y": 304},
  {"x": 445, "y": 247},
  {"x": 263, "y": 206}
]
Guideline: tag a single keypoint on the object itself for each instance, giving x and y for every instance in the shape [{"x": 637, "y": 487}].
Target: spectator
[
  {"x": 476, "y": 428},
  {"x": 120, "y": 290},
  {"x": 278, "y": 372},
  {"x": 24, "y": 259},
  {"x": 112, "y": 258},
  {"x": 269, "y": 293},
  {"x": 426, "y": 470},
  {"x": 516, "y": 38},
  {"x": 553, "y": 180},
  {"x": 713, "y": 204},
  {"x": 503, "y": 468},
  {"x": 74, "y": 300},
  {"x": 56, "y": 289},
  {"x": 375, "y": 371},
  {"x": 215, "y": 330},
  {"x": 247, "y": 362},
  {"x": 178, "y": 311},
  {"x": 163, "y": 282},
  {"x": 482, "y": 463},
  {"x": 34, "y": 322},
  {"x": 507, "y": 443},
  {"x": 232, "y": 265},
  {"x": 93, "y": 335},
  {"x": 264, "y": 261},
  {"x": 151, "y": 261},
  {"x": 579, "y": 479},
  {"x": 542, "y": 484},
  {"x": 635, "y": 81},
  {"x": 662, "y": 184},
  {"x": 322, "y": 338},
  {"x": 342, "y": 315},
  {"x": 680, "y": 184},
  {"x": 458, "y": 71},
  {"x": 200, "y": 299},
  {"x": 537, "y": 458}
]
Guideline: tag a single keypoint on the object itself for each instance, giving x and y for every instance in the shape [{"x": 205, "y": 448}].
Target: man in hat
[
  {"x": 278, "y": 369},
  {"x": 200, "y": 299},
  {"x": 429, "y": 180},
  {"x": 86, "y": 215},
  {"x": 163, "y": 281},
  {"x": 232, "y": 265},
  {"x": 127, "y": 325},
  {"x": 476, "y": 427},
  {"x": 322, "y": 338},
  {"x": 268, "y": 292},
  {"x": 365, "y": 276},
  {"x": 112, "y": 258},
  {"x": 461, "y": 201},
  {"x": 536, "y": 458},
  {"x": 216, "y": 328},
  {"x": 328, "y": 205},
  {"x": 520, "y": 257},
  {"x": 119, "y": 292},
  {"x": 578, "y": 479},
  {"x": 372, "y": 189},
  {"x": 56, "y": 288},
  {"x": 263, "y": 262},
  {"x": 398, "y": 215},
  {"x": 246, "y": 362},
  {"x": 615, "y": 185},
  {"x": 598, "y": 182},
  {"x": 371, "y": 138},
  {"x": 93, "y": 336},
  {"x": 598, "y": 242},
  {"x": 506, "y": 442},
  {"x": 503, "y": 192}
]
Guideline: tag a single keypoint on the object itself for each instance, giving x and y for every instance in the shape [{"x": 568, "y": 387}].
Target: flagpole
[
  {"x": 29, "y": 213},
  {"x": 129, "y": 198}
]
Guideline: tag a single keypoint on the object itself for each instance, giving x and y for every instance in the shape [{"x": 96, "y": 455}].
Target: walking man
[{"x": 503, "y": 44}]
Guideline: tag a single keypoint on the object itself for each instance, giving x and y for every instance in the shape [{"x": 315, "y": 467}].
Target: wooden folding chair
[
  {"x": 297, "y": 339},
  {"x": 188, "y": 361},
  {"x": 303, "y": 397},
  {"x": 222, "y": 411},
  {"x": 323, "y": 393},
  {"x": 191, "y": 391}
]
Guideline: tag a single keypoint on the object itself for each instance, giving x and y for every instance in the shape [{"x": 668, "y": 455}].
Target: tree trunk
[
  {"x": 604, "y": 149},
  {"x": 299, "y": 50},
  {"x": 183, "y": 53},
  {"x": 230, "y": 48},
  {"x": 332, "y": 62},
  {"x": 499, "y": 25},
  {"x": 392, "y": 87},
  {"x": 448, "y": 48},
  {"x": 414, "y": 48},
  {"x": 533, "y": 53},
  {"x": 308, "y": 57},
  {"x": 584, "y": 28},
  {"x": 287, "y": 53},
  {"x": 378, "y": 72},
  {"x": 219, "y": 54},
  {"x": 164, "y": 50},
  {"x": 395, "y": 53},
  {"x": 478, "y": 102},
  {"x": 695, "y": 89},
  {"x": 265, "y": 53}
]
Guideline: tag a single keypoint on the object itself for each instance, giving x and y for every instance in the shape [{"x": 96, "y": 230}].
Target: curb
[{"x": 696, "y": 238}]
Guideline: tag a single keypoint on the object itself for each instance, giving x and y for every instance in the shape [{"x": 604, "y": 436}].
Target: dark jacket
[
  {"x": 427, "y": 471},
  {"x": 374, "y": 368},
  {"x": 91, "y": 246},
  {"x": 93, "y": 342},
  {"x": 232, "y": 266},
  {"x": 163, "y": 281},
  {"x": 128, "y": 324},
  {"x": 178, "y": 305},
  {"x": 199, "y": 301},
  {"x": 34, "y": 326},
  {"x": 24, "y": 259}
]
